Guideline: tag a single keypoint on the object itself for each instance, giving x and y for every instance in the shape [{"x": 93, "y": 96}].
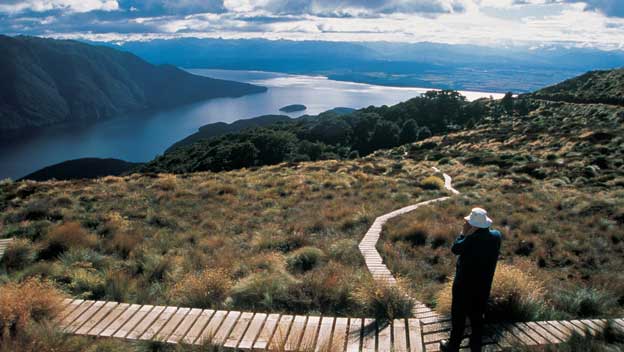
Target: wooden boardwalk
[
  {"x": 4, "y": 243},
  {"x": 283, "y": 332},
  {"x": 238, "y": 330}
]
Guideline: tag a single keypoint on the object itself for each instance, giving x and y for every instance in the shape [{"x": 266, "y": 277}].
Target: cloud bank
[{"x": 591, "y": 23}]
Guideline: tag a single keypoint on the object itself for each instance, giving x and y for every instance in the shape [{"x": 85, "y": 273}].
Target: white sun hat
[{"x": 478, "y": 218}]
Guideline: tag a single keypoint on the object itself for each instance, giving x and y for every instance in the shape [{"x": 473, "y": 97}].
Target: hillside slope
[
  {"x": 82, "y": 168},
  {"x": 604, "y": 87},
  {"x": 46, "y": 81}
]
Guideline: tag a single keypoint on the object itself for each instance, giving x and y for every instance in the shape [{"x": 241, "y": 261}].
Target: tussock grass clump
[
  {"x": 24, "y": 303},
  {"x": 206, "y": 289},
  {"x": 345, "y": 251},
  {"x": 65, "y": 236},
  {"x": 18, "y": 254},
  {"x": 304, "y": 259},
  {"x": 432, "y": 182},
  {"x": 515, "y": 296},
  {"x": 384, "y": 302},
  {"x": 264, "y": 291}
]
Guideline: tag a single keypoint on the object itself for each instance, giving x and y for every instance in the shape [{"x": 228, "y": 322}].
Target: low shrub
[
  {"x": 207, "y": 289},
  {"x": 432, "y": 182},
  {"x": 384, "y": 302},
  {"x": 584, "y": 302},
  {"x": 264, "y": 291},
  {"x": 346, "y": 251},
  {"x": 18, "y": 254},
  {"x": 123, "y": 243},
  {"x": 515, "y": 296},
  {"x": 65, "y": 236},
  {"x": 87, "y": 283},
  {"x": 24, "y": 303},
  {"x": 414, "y": 233},
  {"x": 304, "y": 259}
]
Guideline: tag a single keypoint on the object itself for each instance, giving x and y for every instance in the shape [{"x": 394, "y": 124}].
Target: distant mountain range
[
  {"x": 428, "y": 65},
  {"x": 46, "y": 81}
]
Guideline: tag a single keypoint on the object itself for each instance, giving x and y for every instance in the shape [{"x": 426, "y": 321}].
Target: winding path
[{"x": 283, "y": 332}]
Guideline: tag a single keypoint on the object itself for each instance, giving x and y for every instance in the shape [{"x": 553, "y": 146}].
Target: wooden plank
[
  {"x": 296, "y": 331},
  {"x": 544, "y": 333},
  {"x": 340, "y": 337},
  {"x": 144, "y": 324},
  {"x": 262, "y": 341},
  {"x": 504, "y": 337},
  {"x": 596, "y": 326},
  {"x": 199, "y": 325},
  {"x": 69, "y": 318},
  {"x": 109, "y": 319},
  {"x": 560, "y": 327},
  {"x": 158, "y": 323},
  {"x": 534, "y": 335},
  {"x": 96, "y": 318},
  {"x": 573, "y": 327},
  {"x": 384, "y": 338},
  {"x": 517, "y": 331},
  {"x": 184, "y": 326},
  {"x": 308, "y": 340},
  {"x": 175, "y": 320},
  {"x": 354, "y": 338},
  {"x": 84, "y": 317},
  {"x": 267, "y": 331},
  {"x": 210, "y": 331},
  {"x": 68, "y": 309},
  {"x": 120, "y": 321},
  {"x": 369, "y": 334},
  {"x": 281, "y": 333},
  {"x": 399, "y": 335},
  {"x": 323, "y": 343},
  {"x": 415, "y": 335},
  {"x": 133, "y": 321},
  {"x": 587, "y": 328},
  {"x": 239, "y": 329},
  {"x": 252, "y": 332},
  {"x": 225, "y": 328},
  {"x": 552, "y": 330}
]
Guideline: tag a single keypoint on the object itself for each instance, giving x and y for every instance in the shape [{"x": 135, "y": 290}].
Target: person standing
[{"x": 477, "y": 248}]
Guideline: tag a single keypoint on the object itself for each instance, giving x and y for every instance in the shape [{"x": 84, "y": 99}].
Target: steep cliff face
[{"x": 46, "y": 81}]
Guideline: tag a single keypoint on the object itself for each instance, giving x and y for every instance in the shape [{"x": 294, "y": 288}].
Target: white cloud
[{"x": 15, "y": 7}]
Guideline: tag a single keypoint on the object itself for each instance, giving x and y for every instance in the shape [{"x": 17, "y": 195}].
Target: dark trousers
[{"x": 467, "y": 306}]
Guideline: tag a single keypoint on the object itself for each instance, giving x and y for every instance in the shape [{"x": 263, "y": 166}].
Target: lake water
[{"x": 142, "y": 136}]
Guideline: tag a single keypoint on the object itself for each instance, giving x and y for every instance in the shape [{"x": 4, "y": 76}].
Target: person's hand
[{"x": 468, "y": 229}]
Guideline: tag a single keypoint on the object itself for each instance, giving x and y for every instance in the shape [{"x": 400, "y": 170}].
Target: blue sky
[{"x": 589, "y": 23}]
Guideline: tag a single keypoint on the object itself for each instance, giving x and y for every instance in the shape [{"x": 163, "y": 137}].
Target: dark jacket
[{"x": 476, "y": 262}]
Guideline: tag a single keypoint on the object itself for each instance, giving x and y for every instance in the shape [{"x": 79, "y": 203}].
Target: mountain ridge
[{"x": 48, "y": 81}]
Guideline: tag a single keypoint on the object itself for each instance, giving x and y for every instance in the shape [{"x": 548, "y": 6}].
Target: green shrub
[
  {"x": 87, "y": 283},
  {"x": 265, "y": 291},
  {"x": 18, "y": 254},
  {"x": 384, "y": 302},
  {"x": 432, "y": 182},
  {"x": 414, "y": 233},
  {"x": 346, "y": 251},
  {"x": 304, "y": 259},
  {"x": 585, "y": 302}
]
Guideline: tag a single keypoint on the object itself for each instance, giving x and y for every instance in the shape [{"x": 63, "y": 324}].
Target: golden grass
[
  {"x": 511, "y": 285},
  {"x": 24, "y": 303},
  {"x": 206, "y": 289}
]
